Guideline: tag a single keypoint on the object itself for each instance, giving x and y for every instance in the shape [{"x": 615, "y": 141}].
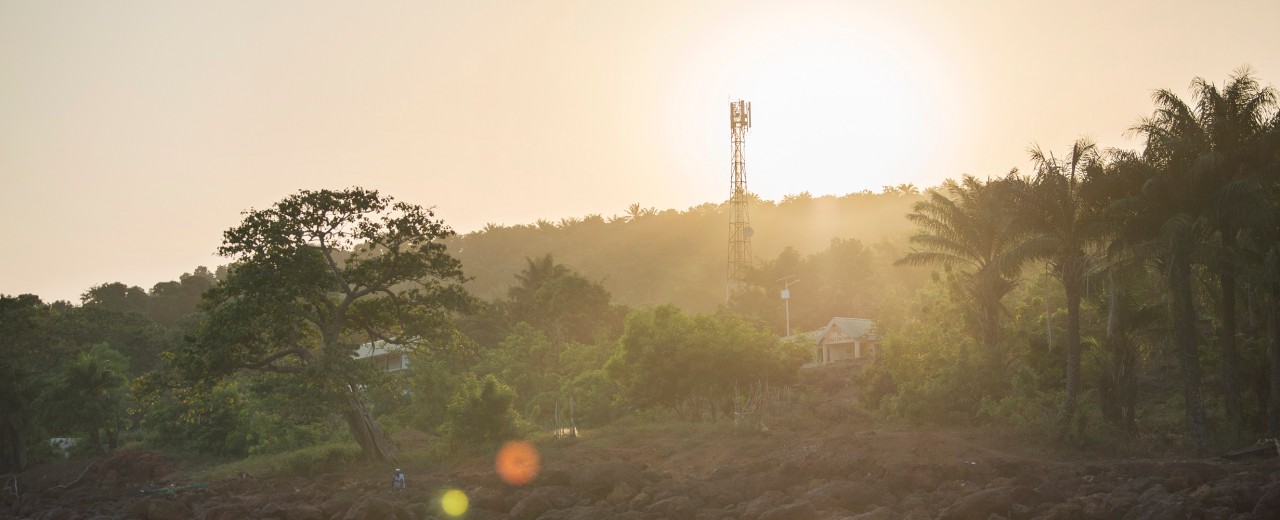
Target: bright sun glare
[{"x": 837, "y": 106}]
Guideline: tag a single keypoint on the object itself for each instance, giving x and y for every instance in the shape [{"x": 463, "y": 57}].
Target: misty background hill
[{"x": 648, "y": 256}]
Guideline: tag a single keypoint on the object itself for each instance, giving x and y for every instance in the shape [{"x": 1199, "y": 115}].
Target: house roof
[
  {"x": 377, "y": 348},
  {"x": 810, "y": 336},
  {"x": 849, "y": 329}
]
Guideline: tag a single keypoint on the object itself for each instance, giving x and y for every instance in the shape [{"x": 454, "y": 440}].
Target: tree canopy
[{"x": 316, "y": 275}]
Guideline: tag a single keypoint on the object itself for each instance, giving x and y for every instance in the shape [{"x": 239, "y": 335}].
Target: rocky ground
[
  {"x": 828, "y": 461},
  {"x": 841, "y": 471}
]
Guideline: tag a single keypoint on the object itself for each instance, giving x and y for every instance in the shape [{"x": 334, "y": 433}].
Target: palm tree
[
  {"x": 1209, "y": 147},
  {"x": 962, "y": 226},
  {"x": 1132, "y": 317},
  {"x": 1162, "y": 223},
  {"x": 1062, "y": 213},
  {"x": 1260, "y": 248},
  {"x": 537, "y": 272},
  {"x": 635, "y": 211},
  {"x": 88, "y": 396},
  {"x": 1261, "y": 245}
]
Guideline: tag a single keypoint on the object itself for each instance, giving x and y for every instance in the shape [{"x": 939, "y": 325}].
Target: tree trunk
[
  {"x": 992, "y": 356},
  {"x": 14, "y": 446},
  {"x": 1182, "y": 310},
  {"x": 1227, "y": 342},
  {"x": 1073, "y": 352},
  {"x": 1128, "y": 384},
  {"x": 1273, "y": 354},
  {"x": 96, "y": 438},
  {"x": 374, "y": 444}
]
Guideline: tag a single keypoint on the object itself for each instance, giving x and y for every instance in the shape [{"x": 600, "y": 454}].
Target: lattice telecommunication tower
[{"x": 740, "y": 222}]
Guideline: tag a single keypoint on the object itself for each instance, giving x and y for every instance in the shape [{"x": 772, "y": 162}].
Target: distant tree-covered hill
[{"x": 650, "y": 256}]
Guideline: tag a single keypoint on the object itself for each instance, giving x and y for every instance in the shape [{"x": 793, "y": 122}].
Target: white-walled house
[
  {"x": 846, "y": 339},
  {"x": 386, "y": 356}
]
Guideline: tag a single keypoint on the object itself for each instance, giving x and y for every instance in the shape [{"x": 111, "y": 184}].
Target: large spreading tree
[{"x": 316, "y": 275}]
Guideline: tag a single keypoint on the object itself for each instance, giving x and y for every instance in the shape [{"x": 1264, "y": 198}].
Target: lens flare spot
[
  {"x": 518, "y": 463},
  {"x": 454, "y": 502}
]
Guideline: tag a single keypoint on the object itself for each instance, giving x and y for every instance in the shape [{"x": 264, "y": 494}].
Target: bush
[
  {"x": 332, "y": 457},
  {"x": 594, "y": 396},
  {"x": 1026, "y": 408},
  {"x": 232, "y": 418},
  {"x": 482, "y": 410}
]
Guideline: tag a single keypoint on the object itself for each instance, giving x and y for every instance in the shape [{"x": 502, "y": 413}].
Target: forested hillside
[{"x": 648, "y": 256}]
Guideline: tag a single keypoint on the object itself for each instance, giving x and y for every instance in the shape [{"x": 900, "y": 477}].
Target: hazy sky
[{"x": 133, "y": 133}]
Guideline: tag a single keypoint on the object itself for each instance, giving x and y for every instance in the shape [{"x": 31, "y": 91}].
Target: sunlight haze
[{"x": 132, "y": 134}]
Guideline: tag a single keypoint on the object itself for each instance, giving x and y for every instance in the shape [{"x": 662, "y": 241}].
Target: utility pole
[{"x": 786, "y": 298}]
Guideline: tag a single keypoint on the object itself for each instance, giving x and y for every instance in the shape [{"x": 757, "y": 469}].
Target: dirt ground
[{"x": 841, "y": 466}]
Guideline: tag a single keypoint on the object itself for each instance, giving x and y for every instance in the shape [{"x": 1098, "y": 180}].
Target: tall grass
[{"x": 321, "y": 458}]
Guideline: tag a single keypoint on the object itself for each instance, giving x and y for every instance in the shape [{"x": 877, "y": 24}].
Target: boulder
[
  {"x": 303, "y": 512},
  {"x": 599, "y": 479},
  {"x": 621, "y": 494},
  {"x": 855, "y": 497},
  {"x": 541, "y": 500},
  {"x": 165, "y": 509},
  {"x": 1137, "y": 486},
  {"x": 338, "y": 505},
  {"x": 729, "y": 491},
  {"x": 372, "y": 508},
  {"x": 801, "y": 510},
  {"x": 879, "y": 513},
  {"x": 1064, "y": 511},
  {"x": 1240, "y": 492},
  {"x": 1117, "y": 504},
  {"x": 422, "y": 510},
  {"x": 578, "y": 513},
  {"x": 226, "y": 512},
  {"x": 640, "y": 501},
  {"x": 1218, "y": 513},
  {"x": 487, "y": 498},
  {"x": 273, "y": 510},
  {"x": 1268, "y": 505},
  {"x": 674, "y": 508},
  {"x": 1162, "y": 506},
  {"x": 766, "y": 502},
  {"x": 723, "y": 472},
  {"x": 986, "y": 502},
  {"x": 57, "y": 513},
  {"x": 553, "y": 477}
]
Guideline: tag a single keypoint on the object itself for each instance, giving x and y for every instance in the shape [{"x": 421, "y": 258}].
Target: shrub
[{"x": 482, "y": 410}]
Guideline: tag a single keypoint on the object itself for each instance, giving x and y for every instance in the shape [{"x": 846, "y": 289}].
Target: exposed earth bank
[{"x": 708, "y": 472}]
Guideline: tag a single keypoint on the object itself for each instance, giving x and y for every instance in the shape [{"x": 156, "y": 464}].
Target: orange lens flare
[{"x": 518, "y": 463}]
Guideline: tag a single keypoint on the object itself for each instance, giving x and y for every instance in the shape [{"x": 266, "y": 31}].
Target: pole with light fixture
[{"x": 786, "y": 298}]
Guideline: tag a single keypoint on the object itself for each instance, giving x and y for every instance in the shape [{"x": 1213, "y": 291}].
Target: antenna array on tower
[{"x": 740, "y": 222}]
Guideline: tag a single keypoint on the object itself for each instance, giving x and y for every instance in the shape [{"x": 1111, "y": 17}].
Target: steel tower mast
[{"x": 740, "y": 222}]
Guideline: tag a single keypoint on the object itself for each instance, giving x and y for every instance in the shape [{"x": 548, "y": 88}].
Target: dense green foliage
[
  {"x": 481, "y": 411},
  {"x": 670, "y": 359},
  {"x": 1147, "y": 249},
  {"x": 88, "y": 396},
  {"x": 67, "y": 367}
]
